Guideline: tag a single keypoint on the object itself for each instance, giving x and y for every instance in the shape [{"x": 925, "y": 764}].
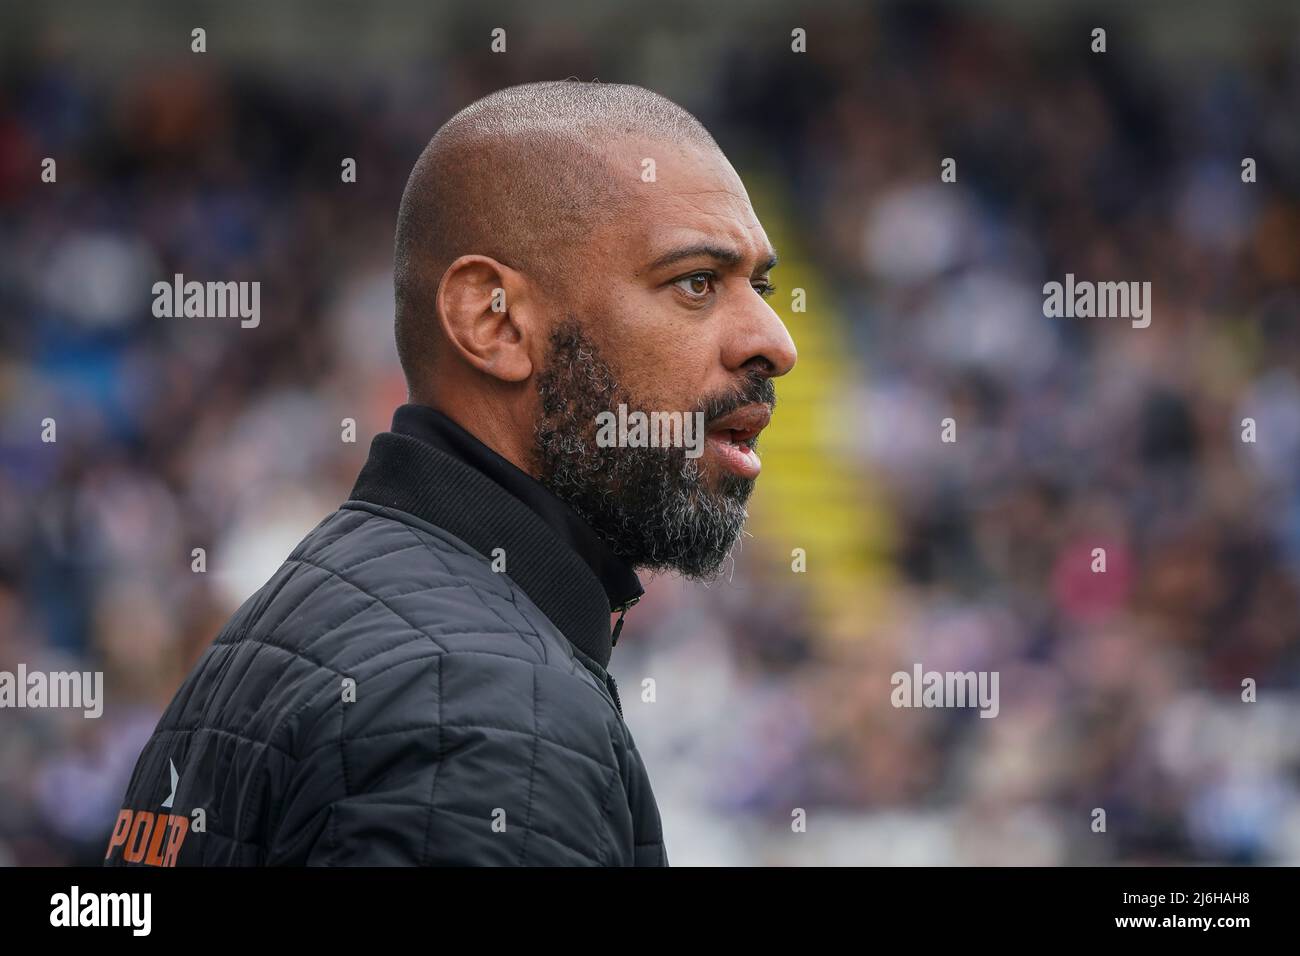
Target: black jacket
[{"x": 390, "y": 698}]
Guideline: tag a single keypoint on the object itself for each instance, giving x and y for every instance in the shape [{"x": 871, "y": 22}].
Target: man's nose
[{"x": 760, "y": 338}]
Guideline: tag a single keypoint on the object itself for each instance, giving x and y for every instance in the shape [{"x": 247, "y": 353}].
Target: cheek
[
  {"x": 664, "y": 356},
  {"x": 666, "y": 373}
]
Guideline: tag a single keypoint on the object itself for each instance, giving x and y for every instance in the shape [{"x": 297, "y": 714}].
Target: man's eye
[
  {"x": 697, "y": 284},
  {"x": 764, "y": 288}
]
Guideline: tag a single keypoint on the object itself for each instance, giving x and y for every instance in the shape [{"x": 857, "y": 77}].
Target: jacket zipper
[
  {"x": 613, "y": 689},
  {"x": 618, "y": 625},
  {"x": 613, "y": 641}
]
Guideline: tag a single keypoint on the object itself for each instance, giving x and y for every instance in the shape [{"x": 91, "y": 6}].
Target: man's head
[{"x": 564, "y": 248}]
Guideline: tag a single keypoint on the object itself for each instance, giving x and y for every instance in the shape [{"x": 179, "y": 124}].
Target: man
[{"x": 424, "y": 680}]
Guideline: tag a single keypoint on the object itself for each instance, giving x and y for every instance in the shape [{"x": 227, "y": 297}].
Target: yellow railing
[{"x": 812, "y": 494}]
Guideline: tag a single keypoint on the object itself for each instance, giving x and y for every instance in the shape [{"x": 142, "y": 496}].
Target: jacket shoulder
[
  {"x": 361, "y": 574},
  {"x": 368, "y": 601},
  {"x": 454, "y": 700},
  {"x": 382, "y": 673}
]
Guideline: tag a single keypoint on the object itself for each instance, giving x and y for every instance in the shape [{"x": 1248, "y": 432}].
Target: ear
[{"x": 484, "y": 308}]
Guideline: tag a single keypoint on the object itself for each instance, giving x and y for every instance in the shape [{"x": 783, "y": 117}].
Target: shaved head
[{"x": 523, "y": 176}]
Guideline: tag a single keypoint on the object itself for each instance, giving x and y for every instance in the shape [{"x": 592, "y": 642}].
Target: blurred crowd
[{"x": 1120, "y": 691}]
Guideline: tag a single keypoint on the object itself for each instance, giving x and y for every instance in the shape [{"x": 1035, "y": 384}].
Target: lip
[
  {"x": 745, "y": 422},
  {"x": 731, "y": 435}
]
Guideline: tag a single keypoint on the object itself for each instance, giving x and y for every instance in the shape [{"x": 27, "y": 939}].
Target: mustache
[{"x": 755, "y": 389}]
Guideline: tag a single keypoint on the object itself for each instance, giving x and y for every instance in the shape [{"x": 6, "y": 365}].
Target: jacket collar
[{"x": 446, "y": 477}]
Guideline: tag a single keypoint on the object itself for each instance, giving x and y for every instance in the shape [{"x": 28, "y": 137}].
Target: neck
[{"x": 493, "y": 425}]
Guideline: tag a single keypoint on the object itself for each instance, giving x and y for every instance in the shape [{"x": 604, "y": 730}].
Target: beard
[{"x": 652, "y": 506}]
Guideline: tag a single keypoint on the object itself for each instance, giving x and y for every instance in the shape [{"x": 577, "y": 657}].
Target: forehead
[{"x": 682, "y": 194}]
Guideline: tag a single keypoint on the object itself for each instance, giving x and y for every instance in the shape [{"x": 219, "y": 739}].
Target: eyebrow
[{"x": 724, "y": 254}]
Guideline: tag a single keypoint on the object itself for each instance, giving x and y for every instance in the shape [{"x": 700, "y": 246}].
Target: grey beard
[{"x": 651, "y": 506}]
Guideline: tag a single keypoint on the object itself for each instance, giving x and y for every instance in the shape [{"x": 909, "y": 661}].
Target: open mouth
[{"x": 732, "y": 436}]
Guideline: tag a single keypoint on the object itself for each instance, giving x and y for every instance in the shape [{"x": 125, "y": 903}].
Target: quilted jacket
[{"x": 410, "y": 688}]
